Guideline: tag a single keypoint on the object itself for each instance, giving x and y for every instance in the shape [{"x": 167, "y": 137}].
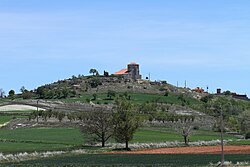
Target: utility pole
[
  {"x": 185, "y": 84},
  {"x": 177, "y": 84},
  {"x": 221, "y": 136},
  {"x": 37, "y": 105},
  {"x": 37, "y": 110}
]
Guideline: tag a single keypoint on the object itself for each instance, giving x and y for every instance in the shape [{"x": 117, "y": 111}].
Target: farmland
[
  {"x": 135, "y": 160},
  {"x": 39, "y": 139},
  {"x": 163, "y": 111},
  {"x": 42, "y": 139}
]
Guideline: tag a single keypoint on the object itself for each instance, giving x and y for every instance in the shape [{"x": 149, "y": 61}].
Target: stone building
[{"x": 132, "y": 72}]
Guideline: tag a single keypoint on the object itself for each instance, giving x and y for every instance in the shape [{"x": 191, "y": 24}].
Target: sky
[{"x": 205, "y": 42}]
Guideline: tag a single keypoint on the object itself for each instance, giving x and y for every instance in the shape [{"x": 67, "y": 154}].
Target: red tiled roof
[{"x": 123, "y": 71}]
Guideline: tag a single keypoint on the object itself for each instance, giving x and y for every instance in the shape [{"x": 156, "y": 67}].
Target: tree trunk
[
  {"x": 127, "y": 145},
  {"x": 103, "y": 141},
  {"x": 185, "y": 140}
]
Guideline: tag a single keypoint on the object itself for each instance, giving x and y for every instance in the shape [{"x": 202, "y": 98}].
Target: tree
[
  {"x": 227, "y": 93},
  {"x": 183, "y": 99},
  {"x": 207, "y": 98},
  {"x": 99, "y": 124},
  {"x": 22, "y": 89},
  {"x": 65, "y": 92},
  {"x": 71, "y": 116},
  {"x": 41, "y": 92},
  {"x": 36, "y": 115},
  {"x": 12, "y": 94},
  {"x": 126, "y": 121},
  {"x": 94, "y": 82},
  {"x": 111, "y": 94},
  {"x": 185, "y": 126},
  {"x": 245, "y": 121},
  {"x": 94, "y": 96},
  {"x": 220, "y": 106},
  {"x": 46, "y": 114},
  {"x": 93, "y": 71},
  {"x": 26, "y": 94},
  {"x": 60, "y": 116},
  {"x": 185, "y": 133}
]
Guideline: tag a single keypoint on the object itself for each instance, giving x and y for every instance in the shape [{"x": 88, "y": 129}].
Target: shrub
[
  {"x": 166, "y": 94},
  {"x": 196, "y": 127},
  {"x": 150, "y": 118},
  {"x": 87, "y": 100},
  {"x": 247, "y": 136}
]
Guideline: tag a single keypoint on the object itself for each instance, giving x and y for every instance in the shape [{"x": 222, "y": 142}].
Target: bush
[
  {"x": 87, "y": 100},
  {"x": 196, "y": 127},
  {"x": 247, "y": 136}
]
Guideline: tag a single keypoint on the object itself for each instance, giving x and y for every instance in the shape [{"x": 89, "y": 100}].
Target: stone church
[{"x": 132, "y": 72}]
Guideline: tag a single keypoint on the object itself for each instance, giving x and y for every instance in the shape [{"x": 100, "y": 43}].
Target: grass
[
  {"x": 242, "y": 142},
  {"x": 69, "y": 136},
  {"x": 37, "y": 139},
  {"x": 155, "y": 135},
  {"x": 134, "y": 160},
  {"x": 7, "y": 118},
  {"x": 42, "y": 139},
  {"x": 165, "y": 134},
  {"x": 13, "y": 147}
]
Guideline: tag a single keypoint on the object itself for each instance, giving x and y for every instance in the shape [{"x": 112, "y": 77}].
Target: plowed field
[{"x": 192, "y": 150}]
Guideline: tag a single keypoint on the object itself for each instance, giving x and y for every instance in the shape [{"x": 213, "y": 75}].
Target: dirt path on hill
[{"x": 192, "y": 150}]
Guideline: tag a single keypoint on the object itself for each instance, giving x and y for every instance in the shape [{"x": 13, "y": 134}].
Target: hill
[{"x": 158, "y": 101}]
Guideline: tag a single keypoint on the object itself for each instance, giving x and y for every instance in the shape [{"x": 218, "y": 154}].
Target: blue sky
[{"x": 206, "y": 42}]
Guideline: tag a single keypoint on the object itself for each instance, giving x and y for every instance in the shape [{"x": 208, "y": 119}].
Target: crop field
[
  {"x": 164, "y": 134},
  {"x": 6, "y": 116},
  {"x": 135, "y": 160},
  {"x": 39, "y": 139},
  {"x": 243, "y": 142}
]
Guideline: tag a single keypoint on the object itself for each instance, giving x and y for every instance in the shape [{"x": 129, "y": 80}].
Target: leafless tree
[
  {"x": 186, "y": 132},
  {"x": 99, "y": 125},
  {"x": 184, "y": 127}
]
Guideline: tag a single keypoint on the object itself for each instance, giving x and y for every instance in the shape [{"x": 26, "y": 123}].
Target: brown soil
[{"x": 192, "y": 150}]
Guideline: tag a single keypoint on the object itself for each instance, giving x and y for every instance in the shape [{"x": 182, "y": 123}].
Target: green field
[
  {"x": 39, "y": 139},
  {"x": 7, "y": 118},
  {"x": 42, "y": 139},
  {"x": 164, "y": 134},
  {"x": 134, "y": 160},
  {"x": 243, "y": 142}
]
